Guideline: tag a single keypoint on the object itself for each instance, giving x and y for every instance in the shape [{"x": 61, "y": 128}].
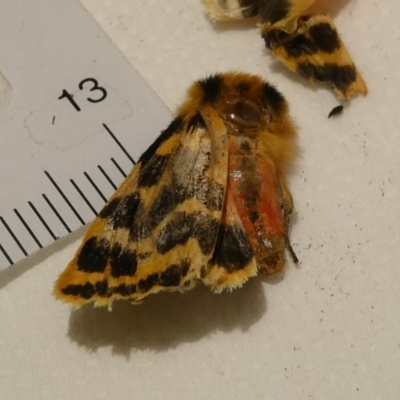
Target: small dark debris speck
[{"x": 335, "y": 111}]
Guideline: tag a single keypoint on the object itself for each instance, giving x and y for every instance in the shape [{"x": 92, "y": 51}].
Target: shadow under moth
[
  {"x": 306, "y": 44},
  {"x": 206, "y": 202}
]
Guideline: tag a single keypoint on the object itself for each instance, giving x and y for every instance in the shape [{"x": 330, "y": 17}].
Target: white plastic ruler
[{"x": 74, "y": 115}]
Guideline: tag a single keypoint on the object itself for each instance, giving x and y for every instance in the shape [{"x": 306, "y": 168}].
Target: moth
[
  {"x": 307, "y": 44},
  {"x": 207, "y": 202}
]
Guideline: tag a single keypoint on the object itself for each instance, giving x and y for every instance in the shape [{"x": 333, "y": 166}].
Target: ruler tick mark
[
  {"x": 95, "y": 186},
  {"x": 119, "y": 168},
  {"x": 57, "y": 213},
  {"x": 107, "y": 177},
  {"x": 65, "y": 198},
  {"x": 10, "y": 261},
  {"x": 42, "y": 221},
  {"x": 83, "y": 197},
  {"x": 13, "y": 236},
  {"x": 119, "y": 143},
  {"x": 27, "y": 227}
]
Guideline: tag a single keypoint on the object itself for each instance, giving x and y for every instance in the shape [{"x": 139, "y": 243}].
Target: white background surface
[{"x": 329, "y": 329}]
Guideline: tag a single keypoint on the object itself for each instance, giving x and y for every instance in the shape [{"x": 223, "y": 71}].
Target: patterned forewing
[
  {"x": 88, "y": 276},
  {"x": 106, "y": 264},
  {"x": 315, "y": 50},
  {"x": 186, "y": 232},
  {"x": 159, "y": 229}
]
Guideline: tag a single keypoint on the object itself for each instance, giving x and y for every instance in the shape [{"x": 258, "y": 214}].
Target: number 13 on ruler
[{"x": 100, "y": 91}]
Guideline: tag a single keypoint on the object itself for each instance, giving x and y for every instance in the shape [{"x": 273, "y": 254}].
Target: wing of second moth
[
  {"x": 314, "y": 50},
  {"x": 307, "y": 44}
]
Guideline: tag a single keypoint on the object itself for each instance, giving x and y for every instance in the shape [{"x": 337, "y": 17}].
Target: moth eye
[{"x": 244, "y": 114}]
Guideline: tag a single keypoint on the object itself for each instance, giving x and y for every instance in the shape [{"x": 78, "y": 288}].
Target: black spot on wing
[
  {"x": 171, "y": 276},
  {"x": 93, "y": 256},
  {"x": 127, "y": 208},
  {"x": 144, "y": 285},
  {"x": 295, "y": 46},
  {"x": 205, "y": 191},
  {"x": 125, "y": 290},
  {"x": 184, "y": 226},
  {"x": 110, "y": 208},
  {"x": 273, "y": 99},
  {"x": 232, "y": 250},
  {"x": 325, "y": 37},
  {"x": 339, "y": 76},
  {"x": 308, "y": 70},
  {"x": 123, "y": 262},
  {"x": 162, "y": 206},
  {"x": 102, "y": 289},
  {"x": 72, "y": 290},
  {"x": 322, "y": 38},
  {"x": 139, "y": 230},
  {"x": 87, "y": 290},
  {"x": 212, "y": 87},
  {"x": 300, "y": 45},
  {"x": 152, "y": 172},
  {"x": 196, "y": 122},
  {"x": 274, "y": 38},
  {"x": 175, "y": 126},
  {"x": 274, "y": 10}
]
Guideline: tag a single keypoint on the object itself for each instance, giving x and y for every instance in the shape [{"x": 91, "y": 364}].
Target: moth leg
[
  {"x": 231, "y": 10},
  {"x": 287, "y": 208}
]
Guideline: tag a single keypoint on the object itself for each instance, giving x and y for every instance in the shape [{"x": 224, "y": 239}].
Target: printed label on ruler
[
  {"x": 80, "y": 108},
  {"x": 78, "y": 117}
]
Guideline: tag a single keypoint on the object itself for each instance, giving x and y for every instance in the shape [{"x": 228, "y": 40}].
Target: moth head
[
  {"x": 254, "y": 108},
  {"x": 249, "y": 103},
  {"x": 241, "y": 114},
  {"x": 248, "y": 106}
]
